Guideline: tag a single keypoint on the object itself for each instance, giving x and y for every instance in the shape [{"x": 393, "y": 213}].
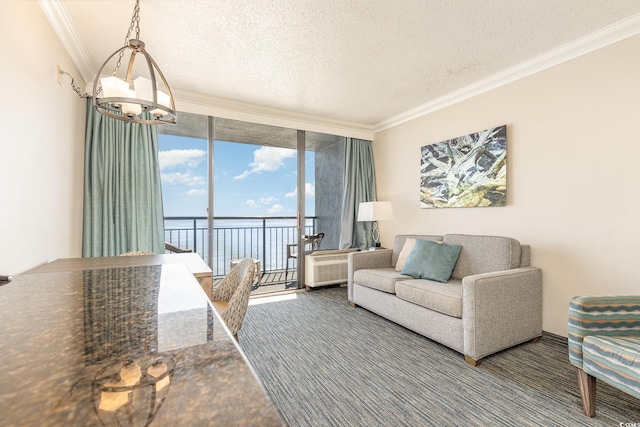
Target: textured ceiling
[{"x": 358, "y": 61}]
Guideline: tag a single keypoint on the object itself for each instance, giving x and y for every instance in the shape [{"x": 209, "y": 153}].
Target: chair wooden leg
[{"x": 587, "y": 384}]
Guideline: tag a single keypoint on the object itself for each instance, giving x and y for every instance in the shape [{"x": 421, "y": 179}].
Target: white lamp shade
[
  {"x": 113, "y": 87},
  {"x": 163, "y": 99},
  {"x": 375, "y": 211},
  {"x": 131, "y": 109},
  {"x": 144, "y": 89}
]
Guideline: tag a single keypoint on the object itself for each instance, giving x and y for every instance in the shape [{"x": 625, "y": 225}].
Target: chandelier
[{"x": 150, "y": 101}]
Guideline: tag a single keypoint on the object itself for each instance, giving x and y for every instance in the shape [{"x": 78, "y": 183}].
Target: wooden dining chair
[{"x": 231, "y": 297}]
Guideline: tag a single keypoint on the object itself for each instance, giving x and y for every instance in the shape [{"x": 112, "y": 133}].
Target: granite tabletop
[{"x": 122, "y": 346}]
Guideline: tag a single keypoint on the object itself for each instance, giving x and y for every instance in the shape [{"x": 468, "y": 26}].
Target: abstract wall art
[{"x": 467, "y": 171}]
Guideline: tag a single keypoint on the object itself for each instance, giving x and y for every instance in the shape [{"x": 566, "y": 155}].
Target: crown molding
[
  {"x": 608, "y": 35},
  {"x": 57, "y": 15}
]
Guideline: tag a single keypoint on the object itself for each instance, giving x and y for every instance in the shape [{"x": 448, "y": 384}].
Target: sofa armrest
[
  {"x": 601, "y": 315},
  {"x": 366, "y": 259},
  {"x": 501, "y": 309}
]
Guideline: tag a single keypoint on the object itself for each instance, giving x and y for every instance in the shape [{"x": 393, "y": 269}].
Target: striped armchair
[{"x": 604, "y": 343}]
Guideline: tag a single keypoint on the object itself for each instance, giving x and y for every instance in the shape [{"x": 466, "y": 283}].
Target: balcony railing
[{"x": 263, "y": 238}]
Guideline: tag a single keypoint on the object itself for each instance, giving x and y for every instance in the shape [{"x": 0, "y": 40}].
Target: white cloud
[
  {"x": 309, "y": 191},
  {"x": 270, "y": 158},
  {"x": 171, "y": 158},
  {"x": 276, "y": 208},
  {"x": 262, "y": 201},
  {"x": 182, "y": 178},
  {"x": 267, "y": 200},
  {"x": 243, "y": 175},
  {"x": 197, "y": 192},
  {"x": 267, "y": 159}
]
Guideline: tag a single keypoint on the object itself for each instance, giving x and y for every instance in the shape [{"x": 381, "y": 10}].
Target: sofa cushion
[
  {"x": 483, "y": 254},
  {"x": 431, "y": 260},
  {"x": 404, "y": 253},
  {"x": 442, "y": 297},
  {"x": 382, "y": 279},
  {"x": 400, "y": 239}
]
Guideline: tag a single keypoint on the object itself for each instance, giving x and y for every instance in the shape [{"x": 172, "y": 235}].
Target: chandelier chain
[
  {"x": 135, "y": 23},
  {"x": 74, "y": 85},
  {"x": 76, "y": 88}
]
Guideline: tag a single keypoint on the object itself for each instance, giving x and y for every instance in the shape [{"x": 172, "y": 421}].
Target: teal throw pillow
[{"x": 431, "y": 260}]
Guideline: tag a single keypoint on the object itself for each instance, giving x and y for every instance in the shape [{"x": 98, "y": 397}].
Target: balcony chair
[
  {"x": 176, "y": 250},
  {"x": 312, "y": 242},
  {"x": 604, "y": 343},
  {"x": 231, "y": 297}
]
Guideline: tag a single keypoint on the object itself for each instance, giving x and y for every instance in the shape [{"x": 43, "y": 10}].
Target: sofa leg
[
  {"x": 353, "y": 304},
  {"x": 536, "y": 339},
  {"x": 471, "y": 361},
  {"x": 587, "y": 384}
]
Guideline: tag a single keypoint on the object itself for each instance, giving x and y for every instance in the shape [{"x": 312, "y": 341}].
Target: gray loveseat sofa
[{"x": 492, "y": 301}]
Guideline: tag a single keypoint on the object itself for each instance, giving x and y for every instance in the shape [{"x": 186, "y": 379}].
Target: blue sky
[{"x": 249, "y": 180}]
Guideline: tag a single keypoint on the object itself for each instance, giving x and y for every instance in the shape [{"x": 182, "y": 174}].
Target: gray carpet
[{"x": 325, "y": 363}]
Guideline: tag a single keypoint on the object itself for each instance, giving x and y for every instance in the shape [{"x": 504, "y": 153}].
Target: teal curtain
[
  {"x": 122, "y": 192},
  {"x": 359, "y": 186}
]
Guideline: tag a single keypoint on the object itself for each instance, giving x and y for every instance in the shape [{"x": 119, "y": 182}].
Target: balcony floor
[{"x": 271, "y": 281}]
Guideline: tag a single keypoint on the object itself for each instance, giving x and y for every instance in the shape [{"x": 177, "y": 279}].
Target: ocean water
[{"x": 265, "y": 239}]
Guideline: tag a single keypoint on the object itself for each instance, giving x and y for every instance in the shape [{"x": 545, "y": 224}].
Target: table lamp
[{"x": 375, "y": 211}]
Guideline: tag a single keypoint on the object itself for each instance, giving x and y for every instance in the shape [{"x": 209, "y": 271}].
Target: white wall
[
  {"x": 573, "y": 174},
  {"x": 41, "y": 143}
]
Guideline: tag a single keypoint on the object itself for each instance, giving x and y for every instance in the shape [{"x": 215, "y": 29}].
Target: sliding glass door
[
  {"x": 255, "y": 194},
  {"x": 235, "y": 189},
  {"x": 183, "y": 152}
]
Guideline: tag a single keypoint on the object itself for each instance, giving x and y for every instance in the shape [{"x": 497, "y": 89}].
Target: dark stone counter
[{"x": 121, "y": 345}]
